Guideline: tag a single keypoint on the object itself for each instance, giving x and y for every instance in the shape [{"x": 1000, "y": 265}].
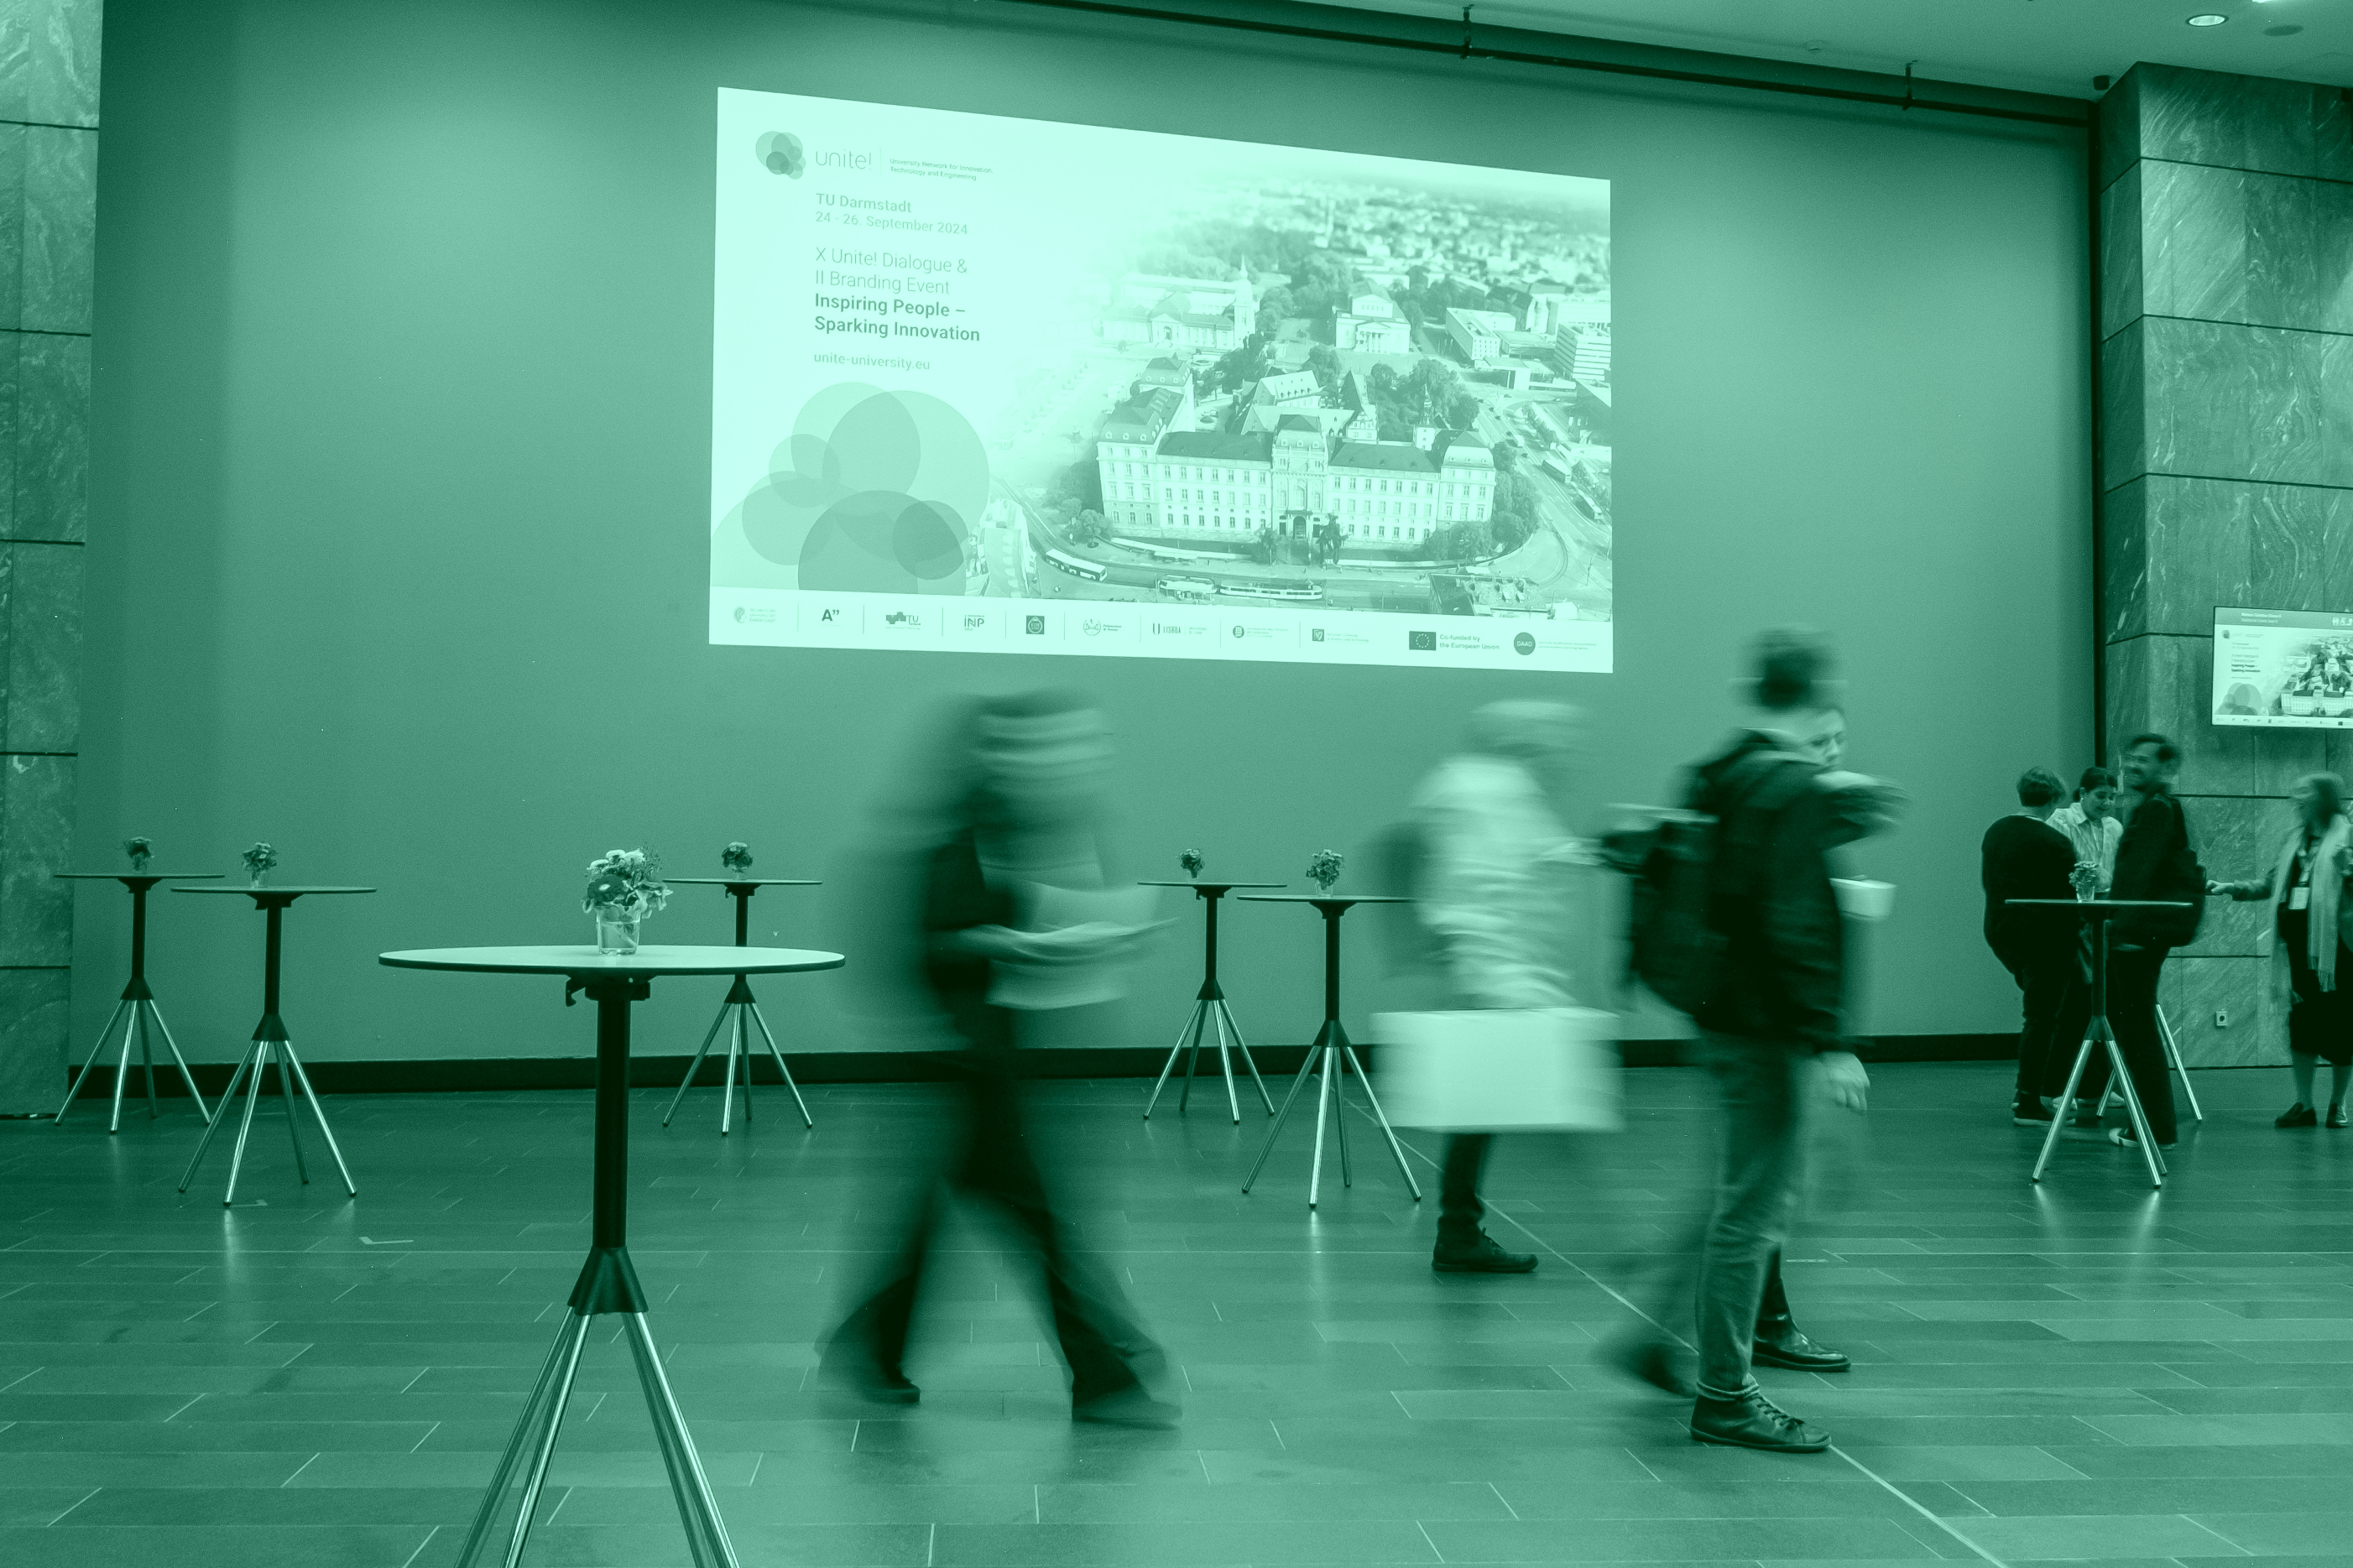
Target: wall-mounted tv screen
[{"x": 2283, "y": 669}]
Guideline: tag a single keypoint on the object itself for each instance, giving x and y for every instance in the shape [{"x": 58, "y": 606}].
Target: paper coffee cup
[{"x": 1863, "y": 898}]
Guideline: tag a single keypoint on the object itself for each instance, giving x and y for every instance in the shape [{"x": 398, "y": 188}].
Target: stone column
[
  {"x": 48, "y": 170},
  {"x": 2226, "y": 364}
]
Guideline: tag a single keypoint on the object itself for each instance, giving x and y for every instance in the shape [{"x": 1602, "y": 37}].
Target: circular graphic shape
[
  {"x": 779, "y": 153},
  {"x": 1524, "y": 645},
  {"x": 926, "y": 539}
]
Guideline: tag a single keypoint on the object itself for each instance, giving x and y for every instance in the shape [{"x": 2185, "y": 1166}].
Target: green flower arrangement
[
  {"x": 258, "y": 861},
  {"x": 1192, "y": 862},
  {"x": 139, "y": 850},
  {"x": 1325, "y": 869},
  {"x": 626, "y": 884},
  {"x": 736, "y": 858}
]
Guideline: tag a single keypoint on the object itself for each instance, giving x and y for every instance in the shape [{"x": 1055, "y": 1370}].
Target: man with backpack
[
  {"x": 2154, "y": 862},
  {"x": 1763, "y": 978}
]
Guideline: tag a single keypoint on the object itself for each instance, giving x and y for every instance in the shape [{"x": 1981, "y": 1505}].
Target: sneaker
[
  {"x": 1753, "y": 1421},
  {"x": 2124, "y": 1138},
  {"x": 2298, "y": 1115},
  {"x": 1484, "y": 1257},
  {"x": 2336, "y": 1116},
  {"x": 2030, "y": 1113}
]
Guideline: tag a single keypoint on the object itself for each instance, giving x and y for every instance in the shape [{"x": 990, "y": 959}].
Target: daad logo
[
  {"x": 1524, "y": 644},
  {"x": 1421, "y": 642}
]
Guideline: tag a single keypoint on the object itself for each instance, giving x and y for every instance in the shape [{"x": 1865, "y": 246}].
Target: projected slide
[
  {"x": 991, "y": 385},
  {"x": 2283, "y": 669}
]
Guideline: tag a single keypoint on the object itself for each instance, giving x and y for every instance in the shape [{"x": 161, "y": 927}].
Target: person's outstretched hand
[{"x": 1849, "y": 1085}]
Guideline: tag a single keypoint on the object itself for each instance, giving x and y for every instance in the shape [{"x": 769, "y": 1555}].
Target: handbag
[{"x": 1500, "y": 1069}]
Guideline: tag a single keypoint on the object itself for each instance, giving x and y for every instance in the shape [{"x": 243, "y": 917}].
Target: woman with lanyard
[{"x": 2311, "y": 922}]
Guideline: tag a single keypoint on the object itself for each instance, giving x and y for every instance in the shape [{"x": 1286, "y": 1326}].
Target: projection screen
[{"x": 994, "y": 385}]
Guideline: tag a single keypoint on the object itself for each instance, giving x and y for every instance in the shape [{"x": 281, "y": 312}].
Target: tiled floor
[{"x": 2086, "y": 1370}]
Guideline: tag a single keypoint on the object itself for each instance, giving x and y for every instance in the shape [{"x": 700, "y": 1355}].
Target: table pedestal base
[
  {"x": 269, "y": 1045},
  {"x": 1336, "y": 1056},
  {"x": 608, "y": 1284},
  {"x": 2099, "y": 1033},
  {"x": 738, "y": 1014},
  {"x": 137, "y": 1007},
  {"x": 1209, "y": 1012}
]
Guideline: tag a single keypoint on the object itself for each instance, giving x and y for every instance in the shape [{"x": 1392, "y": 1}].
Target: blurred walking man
[{"x": 1772, "y": 1026}]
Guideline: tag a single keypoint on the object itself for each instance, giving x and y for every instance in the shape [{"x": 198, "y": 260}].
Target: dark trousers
[
  {"x": 1764, "y": 1085},
  {"x": 2131, "y": 1012},
  {"x": 2054, "y": 1004},
  {"x": 1459, "y": 1209},
  {"x": 1099, "y": 1338}
]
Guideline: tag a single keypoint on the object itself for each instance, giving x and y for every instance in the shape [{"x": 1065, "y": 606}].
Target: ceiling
[{"x": 2035, "y": 46}]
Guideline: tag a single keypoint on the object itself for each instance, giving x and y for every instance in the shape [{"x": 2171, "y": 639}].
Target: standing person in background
[
  {"x": 1021, "y": 815},
  {"x": 1490, "y": 897},
  {"x": 2091, "y": 825},
  {"x": 2311, "y": 920},
  {"x": 2024, "y": 857},
  {"x": 1772, "y": 1023},
  {"x": 2154, "y": 862}
]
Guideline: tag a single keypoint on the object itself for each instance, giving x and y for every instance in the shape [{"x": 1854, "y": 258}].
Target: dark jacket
[
  {"x": 956, "y": 897},
  {"x": 2023, "y": 858},
  {"x": 2150, "y": 861},
  {"x": 1770, "y": 896}
]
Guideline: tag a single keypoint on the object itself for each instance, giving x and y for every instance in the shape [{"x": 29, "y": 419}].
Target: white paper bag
[{"x": 1500, "y": 1069}]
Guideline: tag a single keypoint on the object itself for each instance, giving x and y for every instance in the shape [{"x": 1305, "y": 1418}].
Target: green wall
[{"x": 401, "y": 416}]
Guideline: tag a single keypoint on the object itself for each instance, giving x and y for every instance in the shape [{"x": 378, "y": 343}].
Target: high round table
[
  {"x": 741, "y": 1008},
  {"x": 1332, "y": 1052},
  {"x": 138, "y": 1001},
  {"x": 1209, "y": 1011},
  {"x": 607, "y": 1282},
  {"x": 270, "y": 1042}
]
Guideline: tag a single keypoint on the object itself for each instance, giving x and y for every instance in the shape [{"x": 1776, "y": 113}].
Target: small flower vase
[
  {"x": 257, "y": 875},
  {"x": 617, "y": 933}
]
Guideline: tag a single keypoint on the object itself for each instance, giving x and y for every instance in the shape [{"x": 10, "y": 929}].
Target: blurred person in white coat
[{"x": 1491, "y": 886}]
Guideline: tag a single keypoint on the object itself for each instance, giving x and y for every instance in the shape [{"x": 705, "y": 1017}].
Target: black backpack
[{"x": 1675, "y": 945}]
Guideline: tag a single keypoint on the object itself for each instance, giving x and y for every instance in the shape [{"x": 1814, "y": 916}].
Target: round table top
[
  {"x": 1326, "y": 898},
  {"x": 282, "y": 889},
  {"x": 747, "y": 881},
  {"x": 2104, "y": 903},
  {"x": 585, "y": 960},
  {"x": 143, "y": 875},
  {"x": 1216, "y": 887}
]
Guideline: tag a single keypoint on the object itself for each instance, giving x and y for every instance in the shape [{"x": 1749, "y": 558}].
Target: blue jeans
[{"x": 1767, "y": 1088}]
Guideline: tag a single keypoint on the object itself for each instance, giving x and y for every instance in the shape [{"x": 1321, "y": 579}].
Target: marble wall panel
[
  {"x": 52, "y": 452},
  {"x": 62, "y": 88},
  {"x": 2165, "y": 684},
  {"x": 2192, "y": 989},
  {"x": 11, "y": 344},
  {"x": 2223, "y": 401},
  {"x": 2124, "y": 562},
  {"x": 2123, "y": 405},
  {"x": 41, "y": 627},
  {"x": 2122, "y": 223},
  {"x": 12, "y": 223},
  {"x": 2116, "y": 128},
  {"x": 60, "y": 228},
  {"x": 2194, "y": 233},
  {"x": 33, "y": 1023},
  {"x": 36, "y": 807},
  {"x": 2258, "y": 123},
  {"x": 2175, "y": 548},
  {"x": 2237, "y": 838}
]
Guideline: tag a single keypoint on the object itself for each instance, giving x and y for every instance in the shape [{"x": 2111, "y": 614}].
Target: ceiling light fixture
[{"x": 2208, "y": 19}]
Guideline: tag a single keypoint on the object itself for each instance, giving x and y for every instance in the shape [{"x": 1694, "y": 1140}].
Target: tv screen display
[{"x": 2283, "y": 669}]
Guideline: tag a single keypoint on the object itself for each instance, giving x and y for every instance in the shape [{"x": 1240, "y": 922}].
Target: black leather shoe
[
  {"x": 1791, "y": 1348},
  {"x": 2297, "y": 1115},
  {"x": 1125, "y": 1407},
  {"x": 1484, "y": 1257},
  {"x": 2030, "y": 1113},
  {"x": 1753, "y": 1421}
]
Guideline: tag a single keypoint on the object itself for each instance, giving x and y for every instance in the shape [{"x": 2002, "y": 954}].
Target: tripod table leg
[
  {"x": 698, "y": 1511},
  {"x": 74, "y": 1088},
  {"x": 147, "y": 1056},
  {"x": 320, "y": 1112},
  {"x": 1298, "y": 1082},
  {"x": 1340, "y": 1117},
  {"x": 1322, "y": 1114},
  {"x": 213, "y": 1125},
  {"x": 696, "y": 1065},
  {"x": 1226, "y": 1065},
  {"x": 727, "y": 1080},
  {"x": 2134, "y": 1112},
  {"x": 1389, "y": 1132},
  {"x": 2173, "y": 1055},
  {"x": 1242, "y": 1045},
  {"x": 1192, "y": 1026},
  {"x": 121, "y": 1073},
  {"x": 245, "y": 1122},
  {"x": 807, "y": 1120},
  {"x": 2066, "y": 1100},
  {"x": 294, "y": 1128},
  {"x": 185, "y": 1076},
  {"x": 533, "y": 1442}
]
